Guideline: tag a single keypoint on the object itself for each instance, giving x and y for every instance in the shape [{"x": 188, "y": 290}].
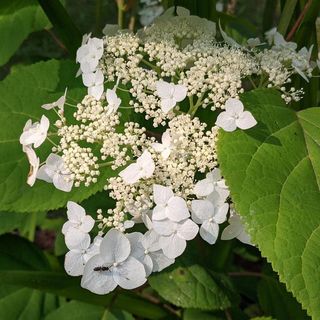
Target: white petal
[
  {"x": 187, "y": 229},
  {"x": 146, "y": 162},
  {"x": 99, "y": 282},
  {"x": 177, "y": 209},
  {"x": 180, "y": 92},
  {"x": 131, "y": 174},
  {"x": 130, "y": 274},
  {"x": 148, "y": 264},
  {"x": 74, "y": 237},
  {"x": 209, "y": 232},
  {"x": 234, "y": 106},
  {"x": 220, "y": 213},
  {"x": 161, "y": 194},
  {"x": 54, "y": 160},
  {"x": 160, "y": 261},
  {"x": 158, "y": 147},
  {"x": 214, "y": 175},
  {"x": 231, "y": 231},
  {"x": 115, "y": 247},
  {"x": 81, "y": 245},
  {"x": 74, "y": 263},
  {"x": 202, "y": 210},
  {"x": 87, "y": 223},
  {"x": 167, "y": 104},
  {"x": 61, "y": 183},
  {"x": 226, "y": 122},
  {"x": 96, "y": 91},
  {"x": 66, "y": 227},
  {"x": 137, "y": 248},
  {"x": 159, "y": 213},
  {"x": 75, "y": 212},
  {"x": 246, "y": 121},
  {"x": 173, "y": 246},
  {"x": 203, "y": 188},
  {"x": 244, "y": 238},
  {"x": 164, "y": 227},
  {"x": 166, "y": 138},
  {"x": 150, "y": 241},
  {"x": 163, "y": 88}
]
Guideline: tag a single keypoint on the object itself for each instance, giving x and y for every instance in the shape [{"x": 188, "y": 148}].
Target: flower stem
[
  {"x": 32, "y": 226},
  {"x": 121, "y": 8}
]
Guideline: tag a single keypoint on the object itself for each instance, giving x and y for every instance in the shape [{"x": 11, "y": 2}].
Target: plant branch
[{"x": 299, "y": 21}]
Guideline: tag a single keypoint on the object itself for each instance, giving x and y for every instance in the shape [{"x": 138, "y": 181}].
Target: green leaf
[
  {"x": 10, "y": 221},
  {"x": 18, "y": 18},
  {"x": 277, "y": 302},
  {"x": 189, "y": 285},
  {"x": 273, "y": 171},
  {"x": 191, "y": 314},
  {"x": 286, "y": 16},
  {"x": 21, "y": 95}
]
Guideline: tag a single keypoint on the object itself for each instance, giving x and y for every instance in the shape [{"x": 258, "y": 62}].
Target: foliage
[{"x": 273, "y": 171}]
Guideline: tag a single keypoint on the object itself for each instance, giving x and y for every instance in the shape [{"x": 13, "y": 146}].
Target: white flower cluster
[{"x": 163, "y": 168}]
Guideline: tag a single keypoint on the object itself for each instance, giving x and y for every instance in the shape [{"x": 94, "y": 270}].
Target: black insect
[{"x": 101, "y": 269}]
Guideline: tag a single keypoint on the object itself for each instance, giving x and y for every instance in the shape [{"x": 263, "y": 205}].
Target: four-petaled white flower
[
  {"x": 76, "y": 259},
  {"x": 234, "y": 116},
  {"x": 113, "y": 266},
  {"x": 113, "y": 101},
  {"x": 212, "y": 183},
  {"x": 59, "y": 103},
  {"x": 89, "y": 54},
  {"x": 174, "y": 235},
  {"x": 146, "y": 248},
  {"x": 34, "y": 162},
  {"x": 143, "y": 168},
  {"x": 235, "y": 229},
  {"x": 35, "y": 133},
  {"x": 94, "y": 81},
  {"x": 170, "y": 94},
  {"x": 209, "y": 216},
  {"x": 168, "y": 206},
  {"x": 77, "y": 226},
  {"x": 55, "y": 171},
  {"x": 165, "y": 147}
]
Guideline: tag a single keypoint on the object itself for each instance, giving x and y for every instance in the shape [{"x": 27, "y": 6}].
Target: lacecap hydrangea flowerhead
[{"x": 140, "y": 120}]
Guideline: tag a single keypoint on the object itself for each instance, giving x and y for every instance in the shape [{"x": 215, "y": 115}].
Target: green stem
[
  {"x": 32, "y": 226},
  {"x": 63, "y": 25},
  {"x": 193, "y": 108},
  {"x": 286, "y": 16},
  {"x": 152, "y": 66},
  {"x": 121, "y": 7},
  {"x": 105, "y": 164}
]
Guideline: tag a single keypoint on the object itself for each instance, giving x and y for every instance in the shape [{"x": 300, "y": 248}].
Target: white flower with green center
[
  {"x": 209, "y": 216},
  {"x": 94, "y": 81},
  {"x": 174, "y": 235},
  {"x": 143, "y": 168},
  {"x": 35, "y": 133},
  {"x": 170, "y": 94},
  {"x": 146, "y": 248},
  {"x": 78, "y": 225},
  {"x": 55, "y": 171},
  {"x": 168, "y": 206},
  {"x": 76, "y": 259},
  {"x": 235, "y": 117},
  {"x": 165, "y": 147},
  {"x": 113, "y": 266}
]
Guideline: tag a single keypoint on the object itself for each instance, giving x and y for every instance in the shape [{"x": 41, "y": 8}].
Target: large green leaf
[
  {"x": 189, "y": 285},
  {"x": 18, "y": 18},
  {"x": 21, "y": 95},
  {"x": 82, "y": 311},
  {"x": 273, "y": 171}
]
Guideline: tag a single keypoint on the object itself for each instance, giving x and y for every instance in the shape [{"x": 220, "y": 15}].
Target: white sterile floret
[
  {"x": 212, "y": 183},
  {"x": 146, "y": 248},
  {"x": 209, "y": 216},
  {"x": 234, "y": 116},
  {"x": 78, "y": 225},
  {"x": 113, "y": 266},
  {"x": 35, "y": 133},
  {"x": 174, "y": 235},
  {"x": 253, "y": 42},
  {"x": 59, "y": 103},
  {"x": 235, "y": 229},
  {"x": 170, "y": 94},
  {"x": 34, "y": 162},
  {"x": 113, "y": 101},
  {"x": 168, "y": 206},
  {"x": 165, "y": 147},
  {"x": 143, "y": 168},
  {"x": 301, "y": 63},
  {"x": 79, "y": 254},
  {"x": 55, "y": 171},
  {"x": 89, "y": 54},
  {"x": 94, "y": 81}
]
